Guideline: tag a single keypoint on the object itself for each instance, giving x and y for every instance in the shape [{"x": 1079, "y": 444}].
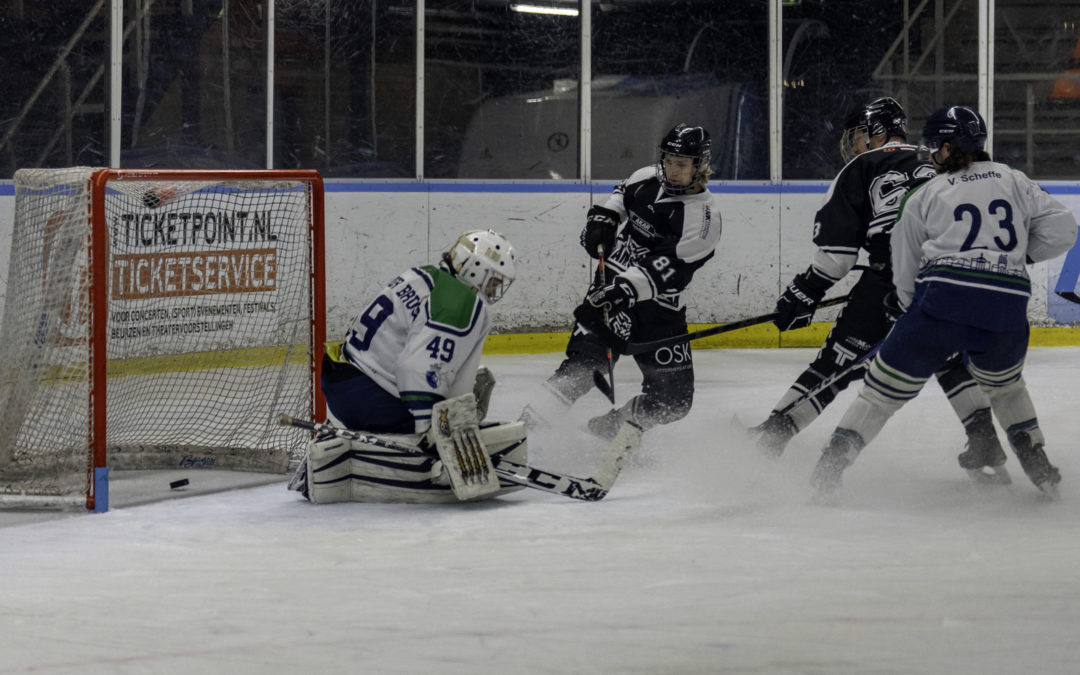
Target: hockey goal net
[{"x": 157, "y": 320}]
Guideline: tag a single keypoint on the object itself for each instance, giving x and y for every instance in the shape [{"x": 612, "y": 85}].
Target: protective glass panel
[
  {"x": 1037, "y": 87},
  {"x": 194, "y": 85},
  {"x": 661, "y": 63},
  {"x": 841, "y": 54},
  {"x": 500, "y": 90},
  {"x": 52, "y": 92},
  {"x": 345, "y": 87}
]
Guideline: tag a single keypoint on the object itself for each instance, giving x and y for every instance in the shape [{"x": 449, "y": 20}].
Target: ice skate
[
  {"x": 843, "y": 448},
  {"x": 1038, "y": 468},
  {"x": 607, "y": 425},
  {"x": 774, "y": 434},
  {"x": 983, "y": 457}
]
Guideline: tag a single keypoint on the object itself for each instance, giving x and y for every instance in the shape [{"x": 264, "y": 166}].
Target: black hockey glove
[
  {"x": 600, "y": 227},
  {"x": 615, "y": 333},
  {"x": 615, "y": 297},
  {"x": 795, "y": 308}
]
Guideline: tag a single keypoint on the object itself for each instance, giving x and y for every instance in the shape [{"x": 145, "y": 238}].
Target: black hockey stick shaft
[
  {"x": 584, "y": 489},
  {"x": 605, "y": 385},
  {"x": 645, "y": 347}
]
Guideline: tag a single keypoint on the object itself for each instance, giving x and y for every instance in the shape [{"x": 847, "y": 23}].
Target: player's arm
[
  {"x": 1052, "y": 230},
  {"x": 908, "y": 235}
]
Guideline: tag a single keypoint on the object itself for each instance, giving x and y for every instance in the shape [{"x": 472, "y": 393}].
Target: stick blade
[
  {"x": 626, "y": 441},
  {"x": 603, "y": 385}
]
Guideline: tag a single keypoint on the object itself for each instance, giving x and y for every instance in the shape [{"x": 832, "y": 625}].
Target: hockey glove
[
  {"x": 615, "y": 297},
  {"x": 600, "y": 227},
  {"x": 795, "y": 308},
  {"x": 614, "y": 332}
]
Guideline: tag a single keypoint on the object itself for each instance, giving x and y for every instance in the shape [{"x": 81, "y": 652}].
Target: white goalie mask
[{"x": 483, "y": 259}]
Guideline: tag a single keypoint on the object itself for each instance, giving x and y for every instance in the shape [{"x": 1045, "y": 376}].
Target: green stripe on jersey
[{"x": 453, "y": 303}]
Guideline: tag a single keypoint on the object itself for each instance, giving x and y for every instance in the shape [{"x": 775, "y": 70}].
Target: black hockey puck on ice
[{"x": 178, "y": 483}]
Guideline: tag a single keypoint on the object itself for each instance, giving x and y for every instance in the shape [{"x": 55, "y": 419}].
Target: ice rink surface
[{"x": 704, "y": 558}]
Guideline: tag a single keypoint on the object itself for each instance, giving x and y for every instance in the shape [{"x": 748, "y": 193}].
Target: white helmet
[{"x": 483, "y": 259}]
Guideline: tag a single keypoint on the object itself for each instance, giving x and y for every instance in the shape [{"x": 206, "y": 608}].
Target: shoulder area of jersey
[{"x": 893, "y": 146}]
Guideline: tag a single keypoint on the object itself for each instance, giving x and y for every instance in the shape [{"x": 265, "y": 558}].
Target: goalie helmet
[
  {"x": 960, "y": 126},
  {"x": 882, "y": 116},
  {"x": 685, "y": 141},
  {"x": 483, "y": 259}
]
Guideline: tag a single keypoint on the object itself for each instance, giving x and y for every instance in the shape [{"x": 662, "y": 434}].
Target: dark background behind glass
[{"x": 501, "y": 97}]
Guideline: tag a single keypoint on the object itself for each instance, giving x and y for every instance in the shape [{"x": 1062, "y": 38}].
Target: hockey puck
[{"x": 178, "y": 483}]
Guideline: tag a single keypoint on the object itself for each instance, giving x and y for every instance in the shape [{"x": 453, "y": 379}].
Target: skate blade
[
  {"x": 997, "y": 475},
  {"x": 1050, "y": 490}
]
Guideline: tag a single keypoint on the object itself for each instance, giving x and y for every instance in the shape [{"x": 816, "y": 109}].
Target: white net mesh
[{"x": 209, "y": 325}]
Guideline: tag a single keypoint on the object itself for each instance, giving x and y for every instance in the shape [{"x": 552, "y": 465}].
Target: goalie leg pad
[
  {"x": 342, "y": 470},
  {"x": 465, "y": 457}
]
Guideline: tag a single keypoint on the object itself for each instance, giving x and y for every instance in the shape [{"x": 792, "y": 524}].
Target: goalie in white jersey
[
  {"x": 959, "y": 250},
  {"x": 416, "y": 348},
  {"x": 420, "y": 339}
]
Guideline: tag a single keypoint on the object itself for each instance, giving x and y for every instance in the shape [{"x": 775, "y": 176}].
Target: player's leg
[
  {"x": 917, "y": 345},
  {"x": 585, "y": 354},
  {"x": 860, "y": 325},
  {"x": 358, "y": 402},
  {"x": 667, "y": 388},
  {"x": 972, "y": 407},
  {"x": 998, "y": 367}
]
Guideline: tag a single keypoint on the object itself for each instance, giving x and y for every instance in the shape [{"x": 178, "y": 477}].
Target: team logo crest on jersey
[
  {"x": 433, "y": 378},
  {"x": 620, "y": 325}
]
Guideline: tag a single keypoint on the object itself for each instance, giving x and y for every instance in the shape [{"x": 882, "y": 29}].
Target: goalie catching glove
[
  {"x": 795, "y": 307},
  {"x": 600, "y": 227}
]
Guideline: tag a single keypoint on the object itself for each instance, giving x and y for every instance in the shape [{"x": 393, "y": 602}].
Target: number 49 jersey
[
  {"x": 861, "y": 206},
  {"x": 421, "y": 339}
]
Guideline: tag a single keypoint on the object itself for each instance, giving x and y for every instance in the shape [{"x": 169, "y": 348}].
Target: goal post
[{"x": 157, "y": 320}]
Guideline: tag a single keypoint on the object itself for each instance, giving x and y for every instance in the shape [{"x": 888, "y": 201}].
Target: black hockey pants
[{"x": 667, "y": 388}]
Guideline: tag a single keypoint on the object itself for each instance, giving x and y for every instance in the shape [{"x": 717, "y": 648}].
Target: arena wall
[{"x": 376, "y": 229}]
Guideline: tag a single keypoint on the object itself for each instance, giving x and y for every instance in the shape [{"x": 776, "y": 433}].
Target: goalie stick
[
  {"x": 633, "y": 348},
  {"x": 590, "y": 489}
]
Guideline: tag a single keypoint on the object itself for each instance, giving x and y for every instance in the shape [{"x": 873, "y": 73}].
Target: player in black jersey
[
  {"x": 655, "y": 231},
  {"x": 858, "y": 213}
]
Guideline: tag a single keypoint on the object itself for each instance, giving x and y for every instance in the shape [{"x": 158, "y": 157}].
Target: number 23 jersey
[
  {"x": 966, "y": 237},
  {"x": 421, "y": 339}
]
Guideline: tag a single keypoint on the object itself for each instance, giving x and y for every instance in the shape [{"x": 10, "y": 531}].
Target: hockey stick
[
  {"x": 591, "y": 489},
  {"x": 645, "y": 347},
  {"x": 605, "y": 385}
]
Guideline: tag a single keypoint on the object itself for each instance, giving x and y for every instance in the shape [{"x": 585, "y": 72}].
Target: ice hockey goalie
[{"x": 450, "y": 463}]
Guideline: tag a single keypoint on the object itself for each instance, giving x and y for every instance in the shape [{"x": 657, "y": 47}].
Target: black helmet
[
  {"x": 685, "y": 141},
  {"x": 880, "y": 116},
  {"x": 960, "y": 126}
]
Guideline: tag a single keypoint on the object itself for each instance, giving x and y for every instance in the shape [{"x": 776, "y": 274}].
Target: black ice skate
[
  {"x": 1033, "y": 459},
  {"x": 774, "y": 434},
  {"x": 983, "y": 457}
]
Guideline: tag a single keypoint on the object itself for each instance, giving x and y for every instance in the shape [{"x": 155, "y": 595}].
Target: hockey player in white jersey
[
  {"x": 420, "y": 339},
  {"x": 416, "y": 345},
  {"x": 959, "y": 250}
]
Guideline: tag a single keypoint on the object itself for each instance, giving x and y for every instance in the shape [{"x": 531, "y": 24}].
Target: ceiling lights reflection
[{"x": 542, "y": 9}]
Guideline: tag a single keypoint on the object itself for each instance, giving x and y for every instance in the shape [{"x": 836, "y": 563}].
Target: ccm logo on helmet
[{"x": 665, "y": 356}]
